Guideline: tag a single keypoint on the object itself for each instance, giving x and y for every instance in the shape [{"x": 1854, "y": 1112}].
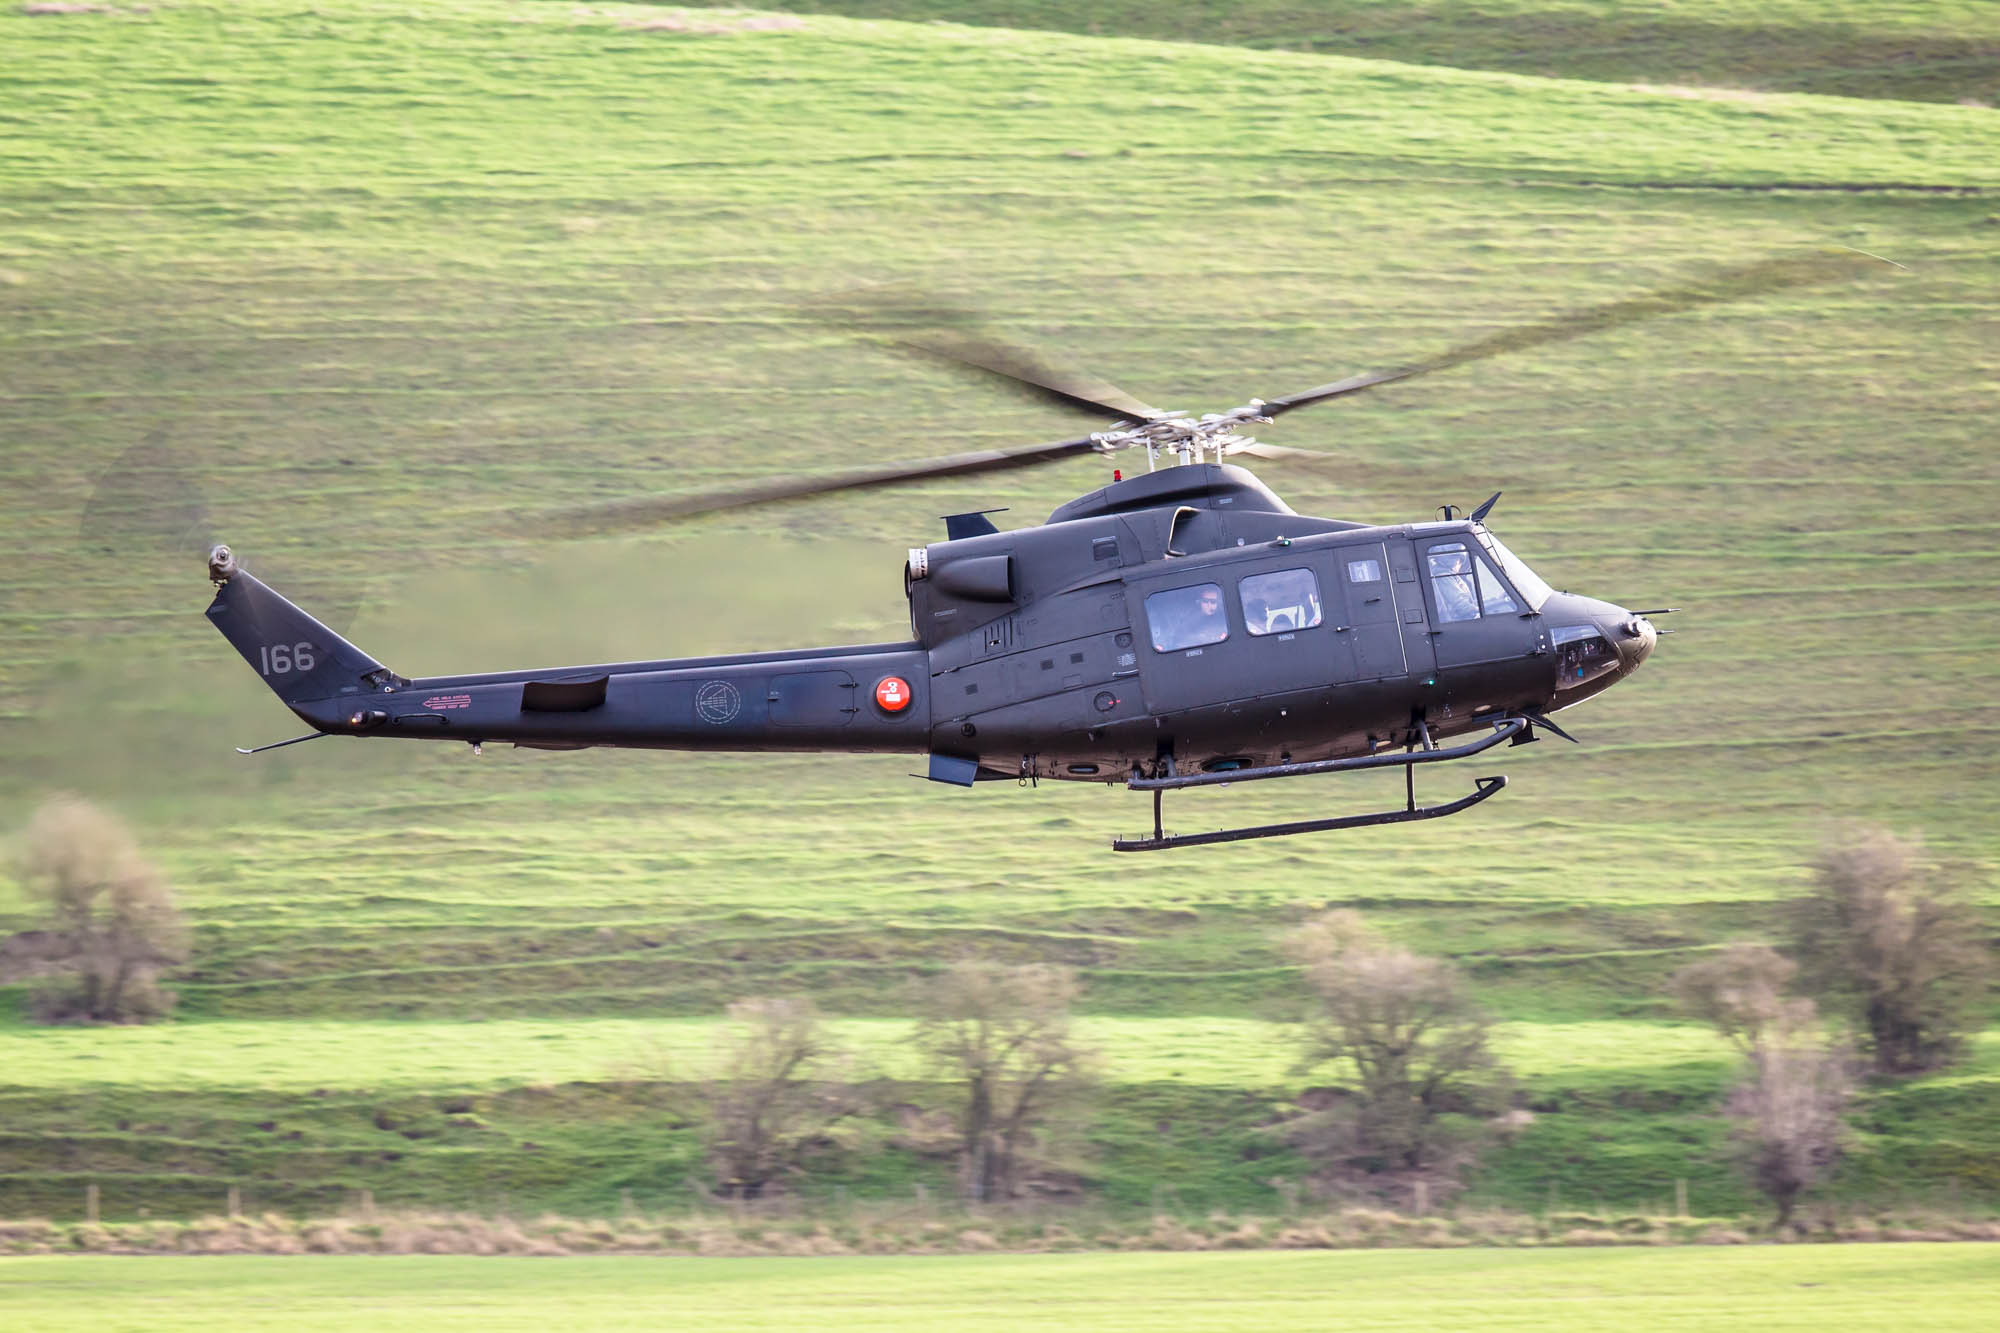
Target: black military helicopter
[{"x": 1178, "y": 628}]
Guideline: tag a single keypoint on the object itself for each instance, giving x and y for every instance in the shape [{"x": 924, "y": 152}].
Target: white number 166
[{"x": 279, "y": 659}]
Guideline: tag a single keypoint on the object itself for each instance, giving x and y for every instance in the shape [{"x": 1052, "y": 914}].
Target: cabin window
[
  {"x": 1187, "y": 617},
  {"x": 1281, "y": 602},
  {"x": 1462, "y": 593}
]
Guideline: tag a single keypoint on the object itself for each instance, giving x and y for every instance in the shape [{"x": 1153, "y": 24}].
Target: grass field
[
  {"x": 377, "y": 278},
  {"x": 357, "y": 1054},
  {"x": 1801, "y": 1287}
]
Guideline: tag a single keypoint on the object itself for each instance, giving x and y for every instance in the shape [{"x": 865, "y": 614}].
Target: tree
[
  {"x": 1789, "y": 1129},
  {"x": 1415, "y": 1039},
  {"x": 1892, "y": 940},
  {"x": 1786, "y": 1109},
  {"x": 112, "y": 926},
  {"x": 1002, "y": 1033},
  {"x": 1740, "y": 992},
  {"x": 775, "y": 1096}
]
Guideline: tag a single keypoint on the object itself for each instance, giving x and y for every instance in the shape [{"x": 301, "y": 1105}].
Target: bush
[
  {"x": 1786, "y": 1110},
  {"x": 1892, "y": 941},
  {"x": 112, "y": 926},
  {"x": 1002, "y": 1035},
  {"x": 1415, "y": 1040}
]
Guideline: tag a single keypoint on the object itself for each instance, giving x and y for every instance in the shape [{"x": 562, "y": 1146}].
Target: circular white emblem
[{"x": 717, "y": 702}]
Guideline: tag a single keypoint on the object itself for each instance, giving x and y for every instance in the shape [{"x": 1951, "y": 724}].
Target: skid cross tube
[
  {"x": 1483, "y": 788},
  {"x": 1504, "y": 729}
]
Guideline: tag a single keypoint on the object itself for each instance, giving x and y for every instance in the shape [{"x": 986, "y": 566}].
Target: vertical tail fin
[{"x": 299, "y": 658}]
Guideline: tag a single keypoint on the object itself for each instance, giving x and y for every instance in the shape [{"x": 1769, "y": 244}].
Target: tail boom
[{"x": 869, "y": 698}]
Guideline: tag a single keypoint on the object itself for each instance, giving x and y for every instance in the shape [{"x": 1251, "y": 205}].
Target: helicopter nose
[{"x": 1635, "y": 637}]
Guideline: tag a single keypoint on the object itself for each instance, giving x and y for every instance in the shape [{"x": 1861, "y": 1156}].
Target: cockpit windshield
[{"x": 1526, "y": 580}]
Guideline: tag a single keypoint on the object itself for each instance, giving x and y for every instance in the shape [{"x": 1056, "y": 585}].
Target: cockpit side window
[
  {"x": 1452, "y": 582},
  {"x": 1466, "y": 585},
  {"x": 1494, "y": 599}
]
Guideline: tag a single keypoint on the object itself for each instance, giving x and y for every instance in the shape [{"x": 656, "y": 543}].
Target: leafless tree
[
  {"x": 776, "y": 1094},
  {"x": 1740, "y": 992},
  {"x": 1002, "y": 1033},
  {"x": 1786, "y": 1109},
  {"x": 1788, "y": 1114},
  {"x": 112, "y": 926},
  {"x": 1892, "y": 940},
  {"x": 1416, "y": 1042}
]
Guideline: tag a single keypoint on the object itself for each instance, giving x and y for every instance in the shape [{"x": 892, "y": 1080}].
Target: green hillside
[
  {"x": 1916, "y": 50},
  {"x": 374, "y": 280}
]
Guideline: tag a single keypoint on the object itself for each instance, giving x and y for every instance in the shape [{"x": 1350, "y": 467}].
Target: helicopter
[{"x": 1178, "y": 628}]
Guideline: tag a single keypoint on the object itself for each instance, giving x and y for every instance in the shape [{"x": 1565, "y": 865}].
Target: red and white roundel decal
[{"x": 892, "y": 694}]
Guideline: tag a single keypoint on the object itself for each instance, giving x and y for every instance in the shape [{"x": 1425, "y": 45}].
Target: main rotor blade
[
  {"x": 959, "y": 338},
  {"x": 1731, "y": 284},
  {"x": 645, "y": 511}
]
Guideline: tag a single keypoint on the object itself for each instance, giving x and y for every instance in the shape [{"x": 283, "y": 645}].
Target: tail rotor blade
[{"x": 145, "y": 504}]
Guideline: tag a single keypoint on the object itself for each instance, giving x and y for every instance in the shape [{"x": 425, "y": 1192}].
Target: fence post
[
  {"x": 368, "y": 1204},
  {"x": 1423, "y": 1200},
  {"x": 235, "y": 1201},
  {"x": 1680, "y": 1196},
  {"x": 90, "y": 1203},
  {"x": 625, "y": 1209}
]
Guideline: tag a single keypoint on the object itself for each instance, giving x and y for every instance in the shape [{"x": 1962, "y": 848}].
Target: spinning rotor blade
[
  {"x": 1732, "y": 284},
  {"x": 957, "y": 337},
  {"x": 644, "y": 511},
  {"x": 147, "y": 510},
  {"x": 146, "y": 504}
]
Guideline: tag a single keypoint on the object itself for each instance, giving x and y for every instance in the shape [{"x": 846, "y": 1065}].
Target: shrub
[
  {"x": 1891, "y": 940},
  {"x": 112, "y": 926},
  {"x": 1002, "y": 1035},
  {"x": 1415, "y": 1040}
]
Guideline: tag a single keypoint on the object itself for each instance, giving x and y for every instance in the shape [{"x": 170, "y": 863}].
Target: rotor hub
[{"x": 1195, "y": 439}]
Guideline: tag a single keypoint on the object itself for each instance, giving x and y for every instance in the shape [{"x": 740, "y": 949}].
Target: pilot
[{"x": 1451, "y": 576}]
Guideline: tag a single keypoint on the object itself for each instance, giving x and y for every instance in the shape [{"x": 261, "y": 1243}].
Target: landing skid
[{"x": 1509, "y": 728}]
